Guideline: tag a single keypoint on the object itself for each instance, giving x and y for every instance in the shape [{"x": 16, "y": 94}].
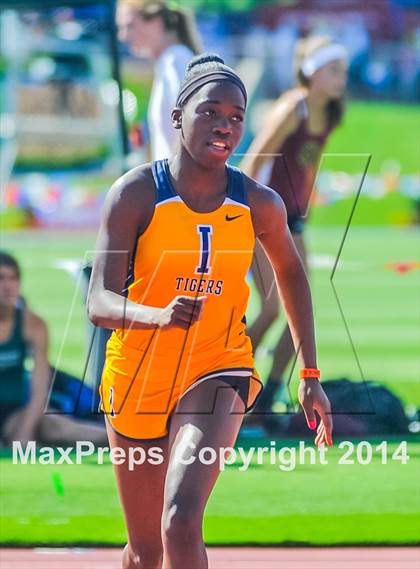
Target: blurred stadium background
[{"x": 69, "y": 96}]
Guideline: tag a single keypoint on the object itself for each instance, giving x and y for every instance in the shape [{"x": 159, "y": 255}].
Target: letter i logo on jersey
[
  {"x": 111, "y": 402},
  {"x": 205, "y": 232}
]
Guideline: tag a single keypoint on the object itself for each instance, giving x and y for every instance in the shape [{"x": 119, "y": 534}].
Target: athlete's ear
[{"x": 176, "y": 117}]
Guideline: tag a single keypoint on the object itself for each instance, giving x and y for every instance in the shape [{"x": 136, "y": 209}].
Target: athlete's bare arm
[
  {"x": 281, "y": 121},
  {"x": 269, "y": 220},
  {"x": 36, "y": 335},
  {"x": 128, "y": 210}
]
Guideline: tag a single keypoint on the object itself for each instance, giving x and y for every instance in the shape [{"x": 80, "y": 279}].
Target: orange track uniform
[{"x": 183, "y": 252}]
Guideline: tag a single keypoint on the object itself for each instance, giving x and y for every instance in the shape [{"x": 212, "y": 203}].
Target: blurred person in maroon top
[{"x": 289, "y": 146}]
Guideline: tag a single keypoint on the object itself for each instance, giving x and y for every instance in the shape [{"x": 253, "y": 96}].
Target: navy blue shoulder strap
[
  {"x": 236, "y": 187},
  {"x": 164, "y": 189}
]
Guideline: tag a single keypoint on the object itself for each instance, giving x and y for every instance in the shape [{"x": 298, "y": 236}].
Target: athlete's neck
[
  {"x": 317, "y": 101},
  {"x": 196, "y": 184},
  {"x": 6, "y": 313}
]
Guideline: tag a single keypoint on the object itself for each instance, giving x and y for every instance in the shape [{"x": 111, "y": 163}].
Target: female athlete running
[
  {"x": 174, "y": 247},
  {"x": 295, "y": 133}
]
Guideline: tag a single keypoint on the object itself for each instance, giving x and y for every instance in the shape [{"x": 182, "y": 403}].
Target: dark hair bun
[
  {"x": 210, "y": 67},
  {"x": 203, "y": 59}
]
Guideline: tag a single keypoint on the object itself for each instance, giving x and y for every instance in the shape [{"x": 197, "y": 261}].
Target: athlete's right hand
[{"x": 182, "y": 312}]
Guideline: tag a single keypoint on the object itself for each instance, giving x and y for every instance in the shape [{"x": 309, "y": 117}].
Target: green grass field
[
  {"x": 386, "y": 131},
  {"x": 316, "y": 504}
]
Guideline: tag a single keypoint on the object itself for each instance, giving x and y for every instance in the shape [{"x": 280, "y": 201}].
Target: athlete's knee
[
  {"x": 182, "y": 521},
  {"x": 142, "y": 555},
  {"x": 54, "y": 428}
]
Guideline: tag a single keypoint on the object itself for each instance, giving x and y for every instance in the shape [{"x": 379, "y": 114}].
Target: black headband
[{"x": 217, "y": 75}]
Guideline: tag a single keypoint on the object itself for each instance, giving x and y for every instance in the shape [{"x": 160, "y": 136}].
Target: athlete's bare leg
[
  {"x": 188, "y": 487},
  {"x": 141, "y": 495}
]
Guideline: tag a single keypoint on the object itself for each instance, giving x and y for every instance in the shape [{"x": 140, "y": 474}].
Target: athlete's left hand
[{"x": 312, "y": 398}]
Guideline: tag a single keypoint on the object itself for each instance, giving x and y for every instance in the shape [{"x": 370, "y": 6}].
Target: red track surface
[{"x": 225, "y": 558}]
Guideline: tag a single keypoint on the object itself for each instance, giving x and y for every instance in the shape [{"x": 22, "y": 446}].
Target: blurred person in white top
[{"x": 168, "y": 37}]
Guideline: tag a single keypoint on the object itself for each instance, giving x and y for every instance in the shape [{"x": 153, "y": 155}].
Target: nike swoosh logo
[{"x": 232, "y": 218}]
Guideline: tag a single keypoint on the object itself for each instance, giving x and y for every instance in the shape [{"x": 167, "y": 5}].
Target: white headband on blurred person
[{"x": 321, "y": 57}]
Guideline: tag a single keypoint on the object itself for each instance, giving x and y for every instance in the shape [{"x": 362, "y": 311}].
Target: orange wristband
[{"x": 310, "y": 372}]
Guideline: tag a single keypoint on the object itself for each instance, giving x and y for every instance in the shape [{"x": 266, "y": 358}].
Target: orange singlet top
[{"x": 182, "y": 252}]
